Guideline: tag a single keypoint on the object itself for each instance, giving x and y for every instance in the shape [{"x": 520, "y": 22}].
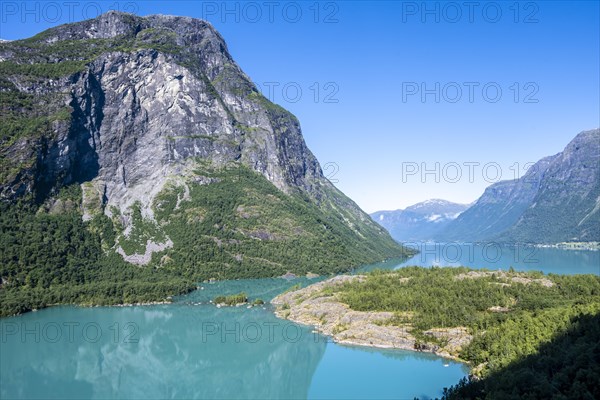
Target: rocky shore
[
  {"x": 572, "y": 246},
  {"x": 314, "y": 305},
  {"x": 147, "y": 303}
]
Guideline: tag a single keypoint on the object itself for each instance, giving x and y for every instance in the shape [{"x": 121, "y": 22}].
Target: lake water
[
  {"x": 192, "y": 349},
  {"x": 494, "y": 256}
]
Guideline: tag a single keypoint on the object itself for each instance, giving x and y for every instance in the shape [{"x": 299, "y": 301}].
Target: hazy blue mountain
[{"x": 421, "y": 221}]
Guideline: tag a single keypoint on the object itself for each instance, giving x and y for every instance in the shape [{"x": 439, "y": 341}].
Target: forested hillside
[{"x": 136, "y": 158}]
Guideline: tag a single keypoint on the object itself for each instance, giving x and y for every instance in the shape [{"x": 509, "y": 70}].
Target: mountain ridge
[
  {"x": 555, "y": 201},
  {"x": 144, "y": 135},
  {"x": 420, "y": 221}
]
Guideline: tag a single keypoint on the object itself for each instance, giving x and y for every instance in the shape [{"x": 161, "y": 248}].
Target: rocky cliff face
[
  {"x": 498, "y": 208},
  {"x": 132, "y": 108},
  {"x": 556, "y": 200},
  {"x": 139, "y": 112}
]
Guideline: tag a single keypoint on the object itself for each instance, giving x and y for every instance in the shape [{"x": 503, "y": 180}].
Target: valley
[{"x": 168, "y": 231}]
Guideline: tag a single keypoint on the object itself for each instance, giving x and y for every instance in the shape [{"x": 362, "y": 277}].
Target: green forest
[
  {"x": 58, "y": 259},
  {"x": 566, "y": 367},
  {"x": 518, "y": 321},
  {"x": 232, "y": 299},
  {"x": 241, "y": 226},
  {"x": 233, "y": 223},
  {"x": 238, "y": 226}
]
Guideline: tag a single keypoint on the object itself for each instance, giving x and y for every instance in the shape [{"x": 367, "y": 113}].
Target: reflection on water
[
  {"x": 494, "y": 256},
  {"x": 156, "y": 352},
  {"x": 191, "y": 349}
]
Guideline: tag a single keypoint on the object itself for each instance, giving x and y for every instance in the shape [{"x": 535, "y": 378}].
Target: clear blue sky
[{"x": 375, "y": 57}]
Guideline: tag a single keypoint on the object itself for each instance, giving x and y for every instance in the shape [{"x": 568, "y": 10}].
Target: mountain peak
[
  {"x": 113, "y": 24},
  {"x": 421, "y": 221},
  {"x": 163, "y": 133},
  {"x": 104, "y": 26},
  {"x": 436, "y": 205}
]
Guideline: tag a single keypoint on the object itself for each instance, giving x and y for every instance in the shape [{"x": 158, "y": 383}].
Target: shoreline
[
  {"x": 309, "y": 306},
  {"x": 587, "y": 246},
  {"x": 287, "y": 276},
  {"x": 351, "y": 343},
  {"x": 83, "y": 305},
  {"x": 149, "y": 303}
]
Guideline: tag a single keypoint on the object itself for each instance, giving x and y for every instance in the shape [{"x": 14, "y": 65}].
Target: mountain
[
  {"x": 498, "y": 208},
  {"x": 421, "y": 221},
  {"x": 557, "y": 200},
  {"x": 140, "y": 141},
  {"x": 567, "y": 204}
]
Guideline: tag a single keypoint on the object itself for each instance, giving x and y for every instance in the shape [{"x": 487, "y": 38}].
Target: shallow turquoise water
[
  {"x": 186, "y": 351},
  {"x": 353, "y": 373},
  {"x": 192, "y": 349}
]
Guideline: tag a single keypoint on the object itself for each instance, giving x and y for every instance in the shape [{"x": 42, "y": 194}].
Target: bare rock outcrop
[{"x": 319, "y": 306}]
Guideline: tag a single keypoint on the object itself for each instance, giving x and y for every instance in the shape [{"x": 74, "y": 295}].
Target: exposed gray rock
[
  {"x": 140, "y": 115},
  {"x": 517, "y": 277},
  {"x": 143, "y": 259},
  {"x": 498, "y": 208},
  {"x": 312, "y": 306},
  {"x": 158, "y": 95}
]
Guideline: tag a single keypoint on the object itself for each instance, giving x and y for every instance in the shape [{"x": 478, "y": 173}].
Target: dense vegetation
[
  {"x": 51, "y": 259},
  {"x": 50, "y": 256},
  {"x": 241, "y": 226},
  {"x": 566, "y": 367},
  {"x": 223, "y": 222},
  {"x": 511, "y": 315},
  {"x": 232, "y": 299}
]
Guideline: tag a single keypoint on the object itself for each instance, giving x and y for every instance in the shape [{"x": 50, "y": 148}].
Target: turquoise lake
[
  {"x": 192, "y": 349},
  {"x": 494, "y": 256}
]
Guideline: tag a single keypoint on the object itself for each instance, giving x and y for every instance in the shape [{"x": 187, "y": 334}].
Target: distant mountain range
[
  {"x": 557, "y": 200},
  {"x": 421, "y": 221},
  {"x": 566, "y": 206}
]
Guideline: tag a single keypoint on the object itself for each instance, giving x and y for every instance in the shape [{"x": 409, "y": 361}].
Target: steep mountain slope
[
  {"x": 567, "y": 204},
  {"x": 149, "y": 131},
  {"x": 498, "y": 208},
  {"x": 421, "y": 221},
  {"x": 556, "y": 200}
]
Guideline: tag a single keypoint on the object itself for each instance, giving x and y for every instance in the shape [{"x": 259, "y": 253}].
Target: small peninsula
[{"x": 487, "y": 319}]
